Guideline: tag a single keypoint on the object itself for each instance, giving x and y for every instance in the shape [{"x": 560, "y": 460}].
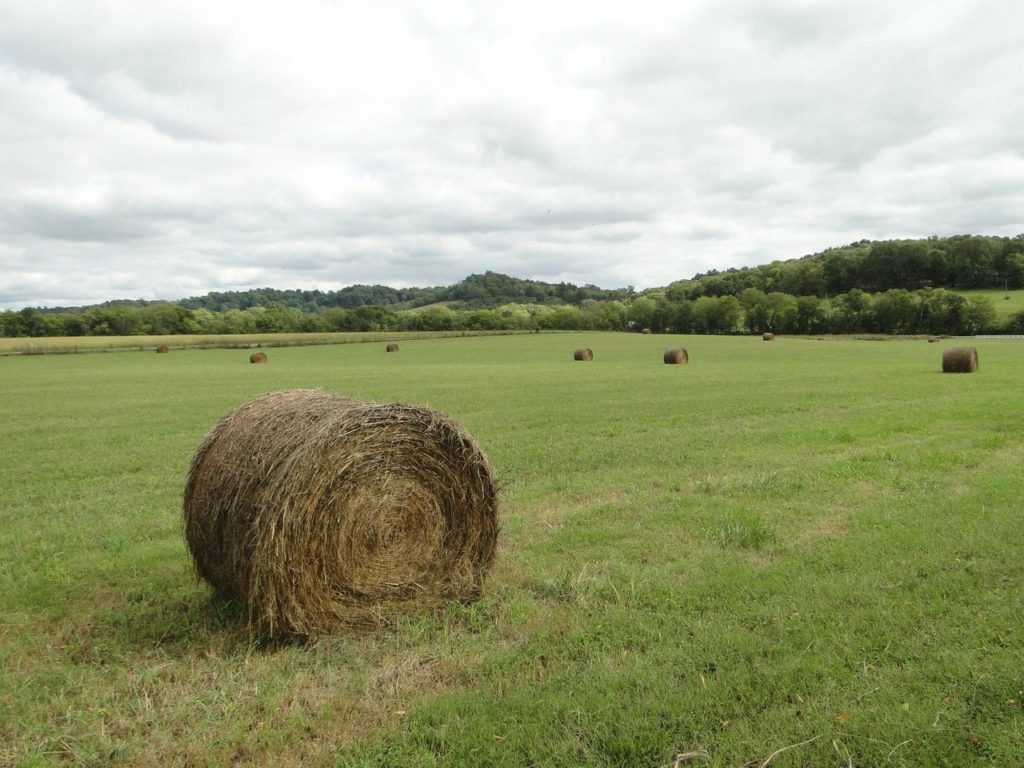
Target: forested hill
[
  {"x": 891, "y": 286},
  {"x": 485, "y": 291},
  {"x": 960, "y": 262}
]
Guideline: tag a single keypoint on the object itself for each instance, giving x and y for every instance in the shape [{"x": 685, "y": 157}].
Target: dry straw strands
[
  {"x": 163, "y": 349},
  {"x": 258, "y": 357},
  {"x": 960, "y": 360},
  {"x": 768, "y": 337},
  {"x": 392, "y": 348},
  {"x": 583, "y": 353},
  {"x": 676, "y": 357},
  {"x": 317, "y": 511}
]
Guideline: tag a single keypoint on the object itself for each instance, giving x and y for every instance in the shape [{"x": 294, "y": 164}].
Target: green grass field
[
  {"x": 796, "y": 553},
  {"x": 73, "y": 345}
]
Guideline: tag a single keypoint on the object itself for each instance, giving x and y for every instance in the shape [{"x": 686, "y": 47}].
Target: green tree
[
  {"x": 812, "y": 314},
  {"x": 604, "y": 315},
  {"x": 973, "y": 263},
  {"x": 850, "y": 311},
  {"x": 640, "y": 313},
  {"x": 979, "y": 314},
  {"x": 894, "y": 311},
  {"x": 755, "y": 308},
  {"x": 783, "y": 312}
]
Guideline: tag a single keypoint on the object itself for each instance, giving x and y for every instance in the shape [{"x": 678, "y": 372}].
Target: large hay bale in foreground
[
  {"x": 258, "y": 357},
  {"x": 583, "y": 353},
  {"x": 163, "y": 349},
  {"x": 317, "y": 511},
  {"x": 391, "y": 348},
  {"x": 768, "y": 337},
  {"x": 960, "y": 360},
  {"x": 676, "y": 356}
]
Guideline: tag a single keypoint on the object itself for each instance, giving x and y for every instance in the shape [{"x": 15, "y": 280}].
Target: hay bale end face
[
  {"x": 258, "y": 357},
  {"x": 768, "y": 337},
  {"x": 584, "y": 353},
  {"x": 392, "y": 348},
  {"x": 163, "y": 349},
  {"x": 319, "y": 512},
  {"x": 676, "y": 357},
  {"x": 960, "y": 360}
]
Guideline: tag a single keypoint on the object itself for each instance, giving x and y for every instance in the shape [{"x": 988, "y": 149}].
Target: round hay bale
[
  {"x": 646, "y": 331},
  {"x": 583, "y": 353},
  {"x": 317, "y": 512},
  {"x": 676, "y": 357},
  {"x": 258, "y": 357},
  {"x": 163, "y": 349},
  {"x": 768, "y": 337},
  {"x": 392, "y": 348},
  {"x": 960, "y": 360},
  {"x": 933, "y": 339}
]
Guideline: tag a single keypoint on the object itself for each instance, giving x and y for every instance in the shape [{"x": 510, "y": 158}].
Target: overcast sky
[{"x": 161, "y": 150}]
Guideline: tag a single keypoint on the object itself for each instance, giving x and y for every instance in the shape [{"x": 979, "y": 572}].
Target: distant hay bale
[
  {"x": 163, "y": 349},
  {"x": 960, "y": 360},
  {"x": 583, "y": 353},
  {"x": 319, "y": 512},
  {"x": 258, "y": 357},
  {"x": 646, "y": 331},
  {"x": 768, "y": 337},
  {"x": 933, "y": 339},
  {"x": 392, "y": 348},
  {"x": 676, "y": 357}
]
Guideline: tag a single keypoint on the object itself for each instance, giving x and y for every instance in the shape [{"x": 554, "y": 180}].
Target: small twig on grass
[
  {"x": 777, "y": 752},
  {"x": 849, "y": 760},
  {"x": 686, "y": 757},
  {"x": 902, "y": 743}
]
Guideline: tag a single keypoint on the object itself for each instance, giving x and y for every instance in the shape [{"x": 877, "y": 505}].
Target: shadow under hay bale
[
  {"x": 768, "y": 337},
  {"x": 584, "y": 353},
  {"x": 163, "y": 349},
  {"x": 318, "y": 512},
  {"x": 258, "y": 357},
  {"x": 676, "y": 357},
  {"x": 391, "y": 348},
  {"x": 960, "y": 360}
]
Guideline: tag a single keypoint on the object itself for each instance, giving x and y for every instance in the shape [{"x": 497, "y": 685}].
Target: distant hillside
[
  {"x": 485, "y": 291},
  {"x": 312, "y": 301},
  {"x": 961, "y": 262},
  {"x": 930, "y": 286}
]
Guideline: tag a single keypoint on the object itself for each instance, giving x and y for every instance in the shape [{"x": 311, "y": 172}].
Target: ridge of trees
[
  {"x": 960, "y": 262},
  {"x": 893, "y": 286}
]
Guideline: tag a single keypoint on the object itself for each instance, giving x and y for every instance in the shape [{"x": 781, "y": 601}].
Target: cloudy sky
[{"x": 161, "y": 150}]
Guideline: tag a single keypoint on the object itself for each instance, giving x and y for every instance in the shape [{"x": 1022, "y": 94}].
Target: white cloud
[{"x": 171, "y": 149}]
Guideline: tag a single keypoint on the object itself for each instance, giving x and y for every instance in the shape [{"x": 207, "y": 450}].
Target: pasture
[
  {"x": 1006, "y": 303},
  {"x": 796, "y": 553}
]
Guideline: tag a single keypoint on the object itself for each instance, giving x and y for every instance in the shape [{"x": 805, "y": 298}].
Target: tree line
[
  {"x": 888, "y": 287},
  {"x": 896, "y": 311}
]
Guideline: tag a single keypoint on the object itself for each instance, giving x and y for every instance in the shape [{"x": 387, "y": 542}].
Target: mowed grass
[
  {"x": 808, "y": 546},
  {"x": 73, "y": 345}
]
